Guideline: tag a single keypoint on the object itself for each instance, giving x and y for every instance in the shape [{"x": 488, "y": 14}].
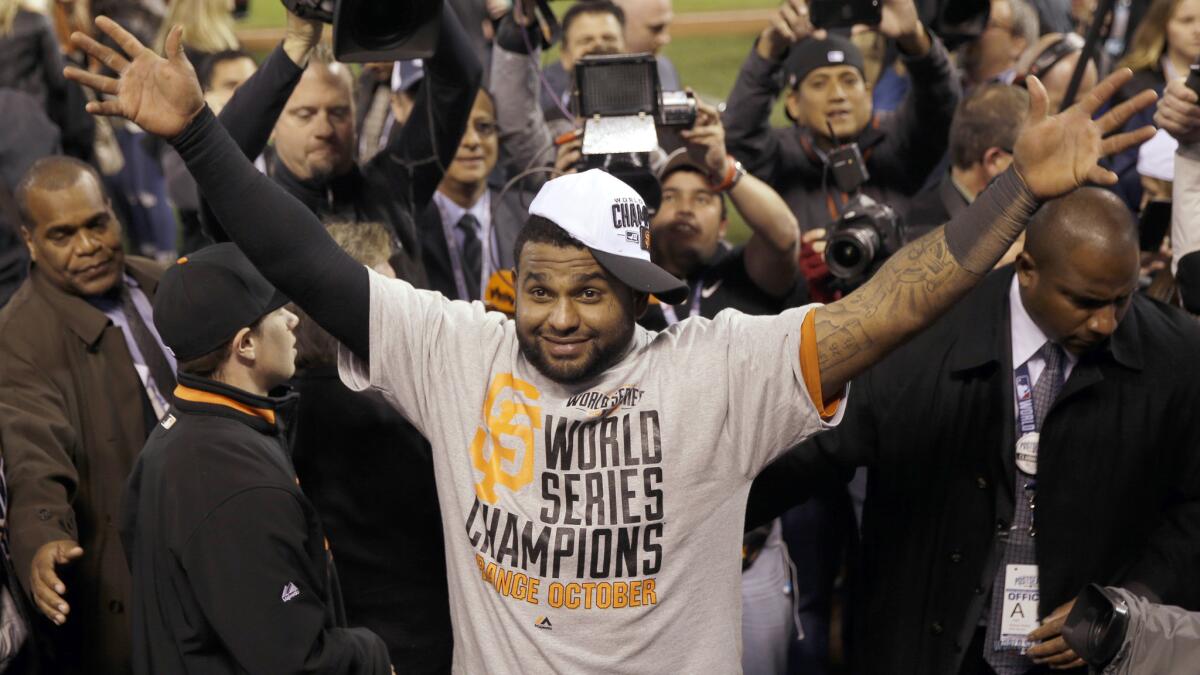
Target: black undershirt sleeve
[{"x": 283, "y": 239}]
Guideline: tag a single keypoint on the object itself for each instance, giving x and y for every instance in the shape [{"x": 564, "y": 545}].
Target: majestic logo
[
  {"x": 290, "y": 592},
  {"x": 168, "y": 422},
  {"x": 543, "y": 622},
  {"x": 508, "y": 418}
]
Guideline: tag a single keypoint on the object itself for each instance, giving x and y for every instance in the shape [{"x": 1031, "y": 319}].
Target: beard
[{"x": 601, "y": 354}]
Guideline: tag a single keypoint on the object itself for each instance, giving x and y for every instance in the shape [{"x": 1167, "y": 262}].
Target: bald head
[
  {"x": 1088, "y": 219},
  {"x": 647, "y": 24},
  {"x": 53, "y": 174},
  {"x": 1079, "y": 269}
]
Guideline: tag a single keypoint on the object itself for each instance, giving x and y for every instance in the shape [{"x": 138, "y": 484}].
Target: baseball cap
[
  {"x": 205, "y": 298},
  {"x": 809, "y": 54},
  {"x": 677, "y": 160},
  {"x": 611, "y": 220}
]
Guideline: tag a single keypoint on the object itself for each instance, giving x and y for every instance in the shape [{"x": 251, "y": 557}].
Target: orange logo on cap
[{"x": 182, "y": 260}]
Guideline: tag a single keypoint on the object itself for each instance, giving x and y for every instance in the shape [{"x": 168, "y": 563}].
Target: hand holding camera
[
  {"x": 1178, "y": 111},
  {"x": 789, "y": 25},
  {"x": 706, "y": 140}
]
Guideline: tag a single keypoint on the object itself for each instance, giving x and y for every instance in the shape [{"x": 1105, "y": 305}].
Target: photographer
[
  {"x": 311, "y": 100},
  {"x": 1179, "y": 114},
  {"x": 827, "y": 90},
  {"x": 688, "y": 233}
]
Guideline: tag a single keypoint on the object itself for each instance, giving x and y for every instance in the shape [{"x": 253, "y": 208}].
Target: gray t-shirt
[{"x": 595, "y": 527}]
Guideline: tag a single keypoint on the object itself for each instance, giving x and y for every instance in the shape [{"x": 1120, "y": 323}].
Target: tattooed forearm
[
  {"x": 911, "y": 289},
  {"x": 920, "y": 282}
]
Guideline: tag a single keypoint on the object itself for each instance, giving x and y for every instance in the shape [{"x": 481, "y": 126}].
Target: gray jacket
[{"x": 1161, "y": 640}]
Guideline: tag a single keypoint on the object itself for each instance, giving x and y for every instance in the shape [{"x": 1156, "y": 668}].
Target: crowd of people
[{"x": 411, "y": 367}]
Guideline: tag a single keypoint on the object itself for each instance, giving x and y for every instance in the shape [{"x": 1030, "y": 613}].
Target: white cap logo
[
  {"x": 601, "y": 211},
  {"x": 836, "y": 56}
]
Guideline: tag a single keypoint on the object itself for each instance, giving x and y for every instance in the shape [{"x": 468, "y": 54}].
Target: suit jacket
[
  {"x": 1118, "y": 499},
  {"x": 72, "y": 421},
  {"x": 508, "y": 217}
]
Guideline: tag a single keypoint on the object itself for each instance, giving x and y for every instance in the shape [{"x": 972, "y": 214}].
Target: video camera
[
  {"x": 867, "y": 232},
  {"x": 366, "y": 31},
  {"x": 622, "y": 104}
]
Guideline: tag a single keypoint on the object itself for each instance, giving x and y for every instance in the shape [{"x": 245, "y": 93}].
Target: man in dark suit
[
  {"x": 985, "y": 127},
  {"x": 1056, "y": 387},
  {"x": 85, "y": 377},
  {"x": 468, "y": 230}
]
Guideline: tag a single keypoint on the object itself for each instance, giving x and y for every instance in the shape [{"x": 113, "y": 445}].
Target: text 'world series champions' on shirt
[{"x": 594, "y": 527}]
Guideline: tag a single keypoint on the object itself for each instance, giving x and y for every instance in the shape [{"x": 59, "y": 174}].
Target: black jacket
[
  {"x": 1118, "y": 498},
  {"x": 232, "y": 572},
  {"x": 370, "y": 475},
  {"x": 399, "y": 181},
  {"x": 508, "y": 217},
  {"x": 900, "y": 149}
]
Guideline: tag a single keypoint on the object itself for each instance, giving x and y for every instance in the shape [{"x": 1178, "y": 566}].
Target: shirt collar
[
  {"x": 452, "y": 213},
  {"x": 1027, "y": 338}
]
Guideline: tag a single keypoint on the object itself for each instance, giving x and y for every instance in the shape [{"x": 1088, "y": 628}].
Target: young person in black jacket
[{"x": 232, "y": 571}]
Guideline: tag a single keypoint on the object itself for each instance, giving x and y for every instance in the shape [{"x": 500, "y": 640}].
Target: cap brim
[{"x": 643, "y": 275}]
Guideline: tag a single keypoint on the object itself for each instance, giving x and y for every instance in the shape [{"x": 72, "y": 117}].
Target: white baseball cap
[{"x": 611, "y": 220}]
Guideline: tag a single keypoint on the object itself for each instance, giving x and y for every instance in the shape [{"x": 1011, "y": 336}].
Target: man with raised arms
[{"x": 593, "y": 475}]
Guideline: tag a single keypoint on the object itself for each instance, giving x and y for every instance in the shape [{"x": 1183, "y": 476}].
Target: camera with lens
[
  {"x": 867, "y": 232},
  {"x": 622, "y": 105},
  {"x": 366, "y": 31}
]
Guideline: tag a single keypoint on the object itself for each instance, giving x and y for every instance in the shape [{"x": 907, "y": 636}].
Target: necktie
[
  {"x": 472, "y": 254},
  {"x": 1020, "y": 548},
  {"x": 152, "y": 355}
]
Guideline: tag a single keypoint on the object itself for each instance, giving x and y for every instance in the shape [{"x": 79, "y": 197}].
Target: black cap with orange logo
[{"x": 205, "y": 298}]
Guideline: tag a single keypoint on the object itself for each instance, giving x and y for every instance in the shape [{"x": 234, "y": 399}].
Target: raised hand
[
  {"x": 1179, "y": 113},
  {"x": 160, "y": 95},
  {"x": 1056, "y": 154},
  {"x": 706, "y": 140},
  {"x": 789, "y": 25}
]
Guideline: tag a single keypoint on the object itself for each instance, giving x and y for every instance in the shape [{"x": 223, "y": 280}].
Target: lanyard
[
  {"x": 693, "y": 309},
  {"x": 1023, "y": 388}
]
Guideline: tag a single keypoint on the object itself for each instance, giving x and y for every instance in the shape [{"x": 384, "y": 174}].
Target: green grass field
[{"x": 709, "y": 64}]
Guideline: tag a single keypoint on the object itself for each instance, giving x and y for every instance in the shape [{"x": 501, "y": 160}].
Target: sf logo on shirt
[{"x": 507, "y": 417}]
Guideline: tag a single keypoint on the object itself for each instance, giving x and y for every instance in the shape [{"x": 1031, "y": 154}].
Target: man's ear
[
  {"x": 793, "y": 105},
  {"x": 28, "y": 237},
  {"x": 245, "y": 345},
  {"x": 1026, "y": 269},
  {"x": 641, "y": 302}
]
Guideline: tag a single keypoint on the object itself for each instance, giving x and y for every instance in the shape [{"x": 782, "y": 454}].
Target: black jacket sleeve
[
  {"x": 747, "y": 119},
  {"x": 283, "y": 239},
  {"x": 909, "y": 152},
  {"x": 1188, "y": 276},
  {"x": 250, "y": 117},
  {"x": 251, "y": 113},
  {"x": 256, "y": 583},
  {"x": 419, "y": 154}
]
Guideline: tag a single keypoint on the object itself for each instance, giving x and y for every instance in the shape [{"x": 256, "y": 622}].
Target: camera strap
[{"x": 693, "y": 304}]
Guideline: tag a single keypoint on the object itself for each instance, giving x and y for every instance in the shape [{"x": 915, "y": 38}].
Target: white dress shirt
[
  {"x": 1027, "y": 339},
  {"x": 451, "y": 213}
]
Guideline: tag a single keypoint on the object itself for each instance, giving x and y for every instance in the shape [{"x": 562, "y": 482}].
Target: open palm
[
  {"x": 160, "y": 95},
  {"x": 1058, "y": 153}
]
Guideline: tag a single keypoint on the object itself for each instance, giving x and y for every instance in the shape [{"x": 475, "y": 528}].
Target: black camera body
[
  {"x": 366, "y": 31},
  {"x": 622, "y": 105},
  {"x": 845, "y": 13},
  {"x": 867, "y": 232}
]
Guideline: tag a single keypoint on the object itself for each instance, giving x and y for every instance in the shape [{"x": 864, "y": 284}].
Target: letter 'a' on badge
[{"x": 1027, "y": 453}]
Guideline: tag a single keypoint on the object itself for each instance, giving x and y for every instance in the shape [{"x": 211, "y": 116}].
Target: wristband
[{"x": 733, "y": 175}]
